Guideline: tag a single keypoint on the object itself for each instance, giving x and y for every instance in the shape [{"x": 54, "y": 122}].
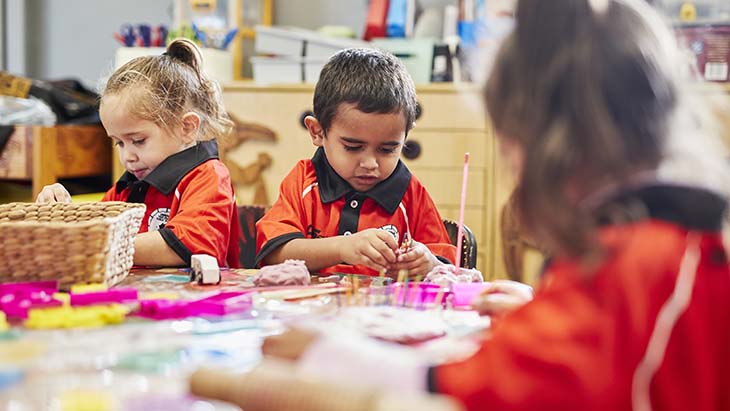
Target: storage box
[
  {"x": 416, "y": 54},
  {"x": 281, "y": 41},
  {"x": 68, "y": 243},
  {"x": 710, "y": 45},
  {"x": 296, "y": 42},
  {"x": 218, "y": 64},
  {"x": 271, "y": 70},
  {"x": 320, "y": 46},
  {"x": 312, "y": 68}
]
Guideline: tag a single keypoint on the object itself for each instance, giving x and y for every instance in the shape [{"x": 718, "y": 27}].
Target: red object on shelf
[
  {"x": 710, "y": 45},
  {"x": 375, "y": 23}
]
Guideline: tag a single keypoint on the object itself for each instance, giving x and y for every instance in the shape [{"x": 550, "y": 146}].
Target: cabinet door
[{"x": 279, "y": 112}]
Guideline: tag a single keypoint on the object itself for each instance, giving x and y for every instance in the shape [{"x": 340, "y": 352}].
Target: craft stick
[
  {"x": 460, "y": 232},
  {"x": 285, "y": 292},
  {"x": 301, "y": 294},
  {"x": 404, "y": 293},
  {"x": 419, "y": 291},
  {"x": 439, "y": 297},
  {"x": 402, "y": 275},
  {"x": 356, "y": 289}
]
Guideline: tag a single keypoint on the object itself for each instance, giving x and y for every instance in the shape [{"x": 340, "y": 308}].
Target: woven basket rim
[{"x": 128, "y": 207}]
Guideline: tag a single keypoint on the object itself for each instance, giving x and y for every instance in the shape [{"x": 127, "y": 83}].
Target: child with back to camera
[
  {"x": 355, "y": 202},
  {"x": 621, "y": 177},
  {"x": 164, "y": 115}
]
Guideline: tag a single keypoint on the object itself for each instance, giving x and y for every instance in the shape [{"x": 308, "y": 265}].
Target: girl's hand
[
  {"x": 418, "y": 260},
  {"x": 501, "y": 297},
  {"x": 374, "y": 248},
  {"x": 54, "y": 193},
  {"x": 290, "y": 345}
]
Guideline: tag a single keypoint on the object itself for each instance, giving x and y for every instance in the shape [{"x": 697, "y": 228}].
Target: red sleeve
[
  {"x": 284, "y": 221},
  {"x": 203, "y": 222},
  {"x": 428, "y": 226},
  {"x": 111, "y": 194},
  {"x": 544, "y": 356}
]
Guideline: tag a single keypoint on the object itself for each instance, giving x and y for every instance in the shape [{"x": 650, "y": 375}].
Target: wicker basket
[{"x": 71, "y": 243}]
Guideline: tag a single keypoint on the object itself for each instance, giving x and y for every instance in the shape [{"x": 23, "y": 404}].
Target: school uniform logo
[
  {"x": 392, "y": 230},
  {"x": 158, "y": 219}
]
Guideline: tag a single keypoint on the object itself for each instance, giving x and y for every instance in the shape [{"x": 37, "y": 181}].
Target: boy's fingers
[
  {"x": 411, "y": 256},
  {"x": 373, "y": 258},
  {"x": 387, "y": 239},
  {"x": 385, "y": 252}
]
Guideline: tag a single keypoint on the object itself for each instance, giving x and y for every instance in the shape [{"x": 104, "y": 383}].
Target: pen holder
[{"x": 218, "y": 64}]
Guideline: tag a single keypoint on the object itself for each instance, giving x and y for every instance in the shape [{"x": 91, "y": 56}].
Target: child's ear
[
  {"x": 315, "y": 130},
  {"x": 190, "y": 127}
]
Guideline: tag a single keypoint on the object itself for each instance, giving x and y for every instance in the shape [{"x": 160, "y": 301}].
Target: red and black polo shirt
[
  {"x": 314, "y": 201},
  {"x": 190, "y": 200}
]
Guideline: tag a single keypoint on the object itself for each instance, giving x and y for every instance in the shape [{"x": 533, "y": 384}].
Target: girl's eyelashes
[{"x": 138, "y": 142}]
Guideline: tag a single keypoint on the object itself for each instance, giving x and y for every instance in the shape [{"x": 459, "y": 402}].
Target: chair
[
  {"x": 248, "y": 215},
  {"x": 515, "y": 242},
  {"x": 468, "y": 255}
]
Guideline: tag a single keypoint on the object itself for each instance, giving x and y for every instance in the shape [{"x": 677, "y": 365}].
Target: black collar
[
  {"x": 388, "y": 193},
  {"x": 691, "y": 207},
  {"x": 168, "y": 174}
]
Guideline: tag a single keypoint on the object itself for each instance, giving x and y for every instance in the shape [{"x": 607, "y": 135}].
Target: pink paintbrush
[{"x": 460, "y": 232}]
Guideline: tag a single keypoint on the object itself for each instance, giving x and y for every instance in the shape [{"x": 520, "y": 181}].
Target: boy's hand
[
  {"x": 418, "y": 260},
  {"x": 374, "y": 248},
  {"x": 54, "y": 193}
]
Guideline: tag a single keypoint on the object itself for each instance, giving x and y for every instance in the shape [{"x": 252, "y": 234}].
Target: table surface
[{"x": 142, "y": 364}]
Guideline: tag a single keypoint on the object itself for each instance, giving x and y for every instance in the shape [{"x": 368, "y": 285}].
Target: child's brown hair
[
  {"x": 587, "y": 89},
  {"x": 167, "y": 86}
]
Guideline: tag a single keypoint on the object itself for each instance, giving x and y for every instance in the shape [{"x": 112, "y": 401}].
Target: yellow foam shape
[
  {"x": 75, "y": 317},
  {"x": 63, "y": 297},
  {"x": 88, "y": 288},
  {"x": 86, "y": 400},
  {"x": 3, "y": 322}
]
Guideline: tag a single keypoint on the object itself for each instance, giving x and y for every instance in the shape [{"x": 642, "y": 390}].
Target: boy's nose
[{"x": 369, "y": 163}]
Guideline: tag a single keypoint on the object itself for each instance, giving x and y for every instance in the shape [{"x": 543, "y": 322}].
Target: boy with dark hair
[{"x": 351, "y": 207}]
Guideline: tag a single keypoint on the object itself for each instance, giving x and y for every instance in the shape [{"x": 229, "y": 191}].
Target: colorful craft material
[
  {"x": 17, "y": 298},
  {"x": 75, "y": 317},
  {"x": 88, "y": 288},
  {"x": 116, "y": 295},
  {"x": 464, "y": 293},
  {"x": 218, "y": 304}
]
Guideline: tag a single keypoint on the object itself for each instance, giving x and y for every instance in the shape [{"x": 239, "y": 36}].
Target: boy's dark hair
[{"x": 375, "y": 81}]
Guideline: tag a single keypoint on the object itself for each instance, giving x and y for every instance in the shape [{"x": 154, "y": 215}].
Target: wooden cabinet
[
  {"x": 452, "y": 123},
  {"x": 45, "y": 154}
]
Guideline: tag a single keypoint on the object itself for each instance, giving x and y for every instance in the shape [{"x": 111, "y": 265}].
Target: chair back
[
  {"x": 468, "y": 255},
  {"x": 248, "y": 215}
]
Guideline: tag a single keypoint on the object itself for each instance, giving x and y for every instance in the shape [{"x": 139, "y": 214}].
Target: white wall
[
  {"x": 312, "y": 14},
  {"x": 73, "y": 38}
]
